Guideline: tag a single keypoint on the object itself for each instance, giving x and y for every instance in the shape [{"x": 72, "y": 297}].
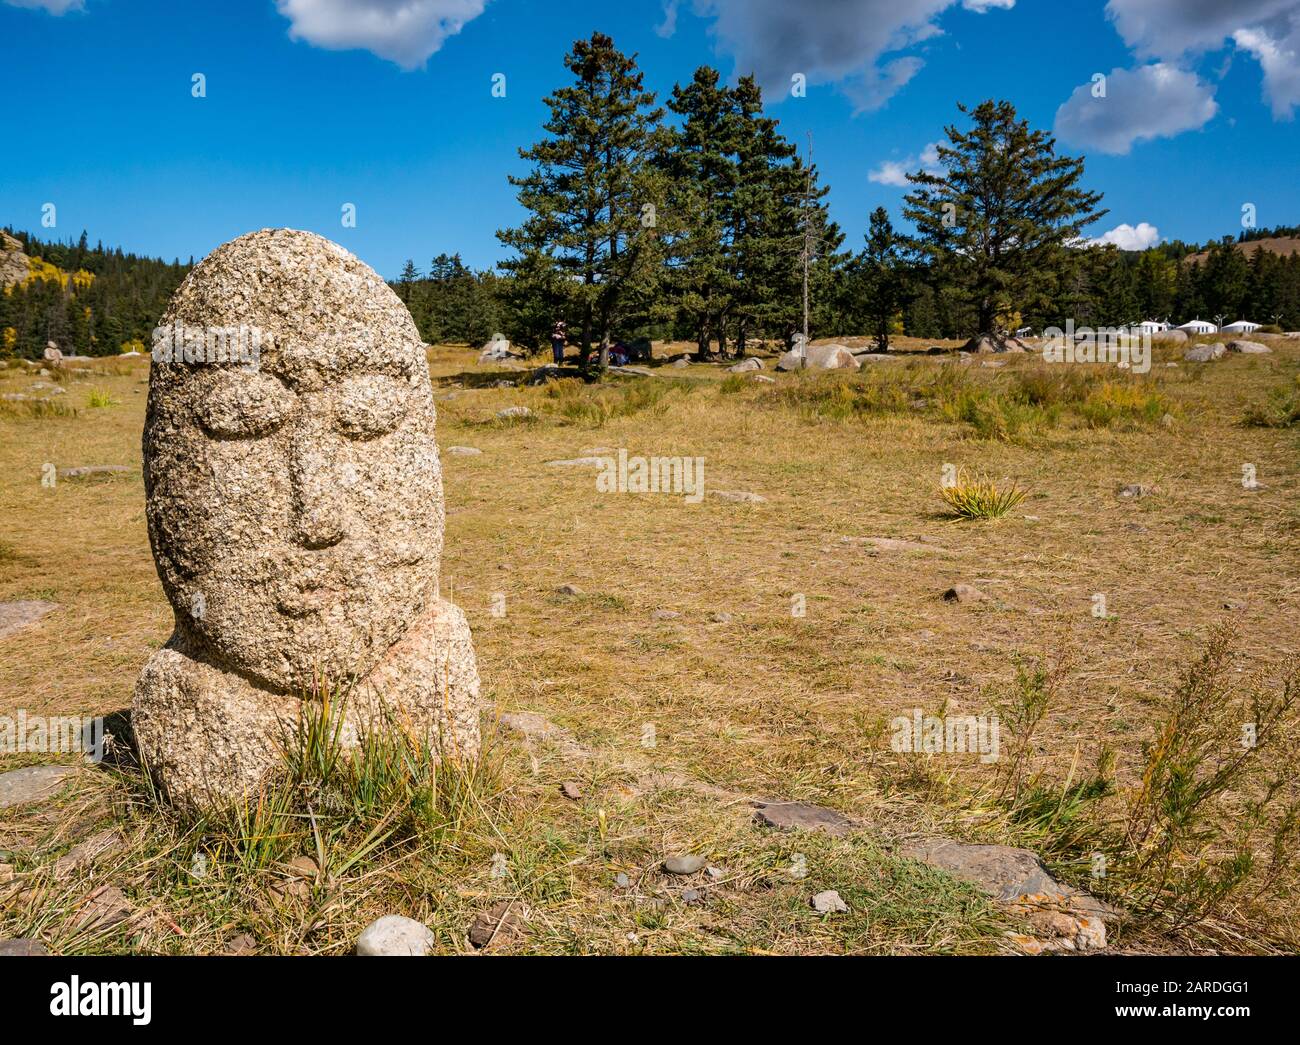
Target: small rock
[
  {"x": 746, "y": 365},
  {"x": 762, "y": 379},
  {"x": 1204, "y": 353},
  {"x": 692, "y": 896},
  {"x": 568, "y": 589},
  {"x": 738, "y": 496},
  {"x": 106, "y": 907},
  {"x": 829, "y": 902},
  {"x": 22, "y": 947},
  {"x": 720, "y": 618},
  {"x": 1253, "y": 348},
  {"x": 302, "y": 872},
  {"x": 14, "y": 616},
  {"x": 622, "y": 880},
  {"x": 395, "y": 935},
  {"x": 499, "y": 923},
  {"x": 87, "y": 853},
  {"x": 514, "y": 411},
  {"x": 239, "y": 946},
  {"x": 801, "y": 816},
  {"x": 464, "y": 451},
  {"x": 687, "y": 864},
  {"x": 680, "y": 364},
  {"x": 31, "y": 784},
  {"x": 665, "y": 615},
  {"x": 572, "y": 790},
  {"x": 963, "y": 593},
  {"x": 1235, "y": 607},
  {"x": 1135, "y": 491},
  {"x": 714, "y": 872},
  {"x": 86, "y": 470}
]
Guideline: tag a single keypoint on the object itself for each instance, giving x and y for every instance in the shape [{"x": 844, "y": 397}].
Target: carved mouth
[{"x": 302, "y": 601}]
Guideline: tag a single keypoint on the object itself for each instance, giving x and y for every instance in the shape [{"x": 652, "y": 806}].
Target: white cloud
[
  {"x": 830, "y": 41},
  {"x": 1172, "y": 30},
  {"x": 1143, "y": 236},
  {"x": 1281, "y": 64},
  {"x": 403, "y": 31},
  {"x": 894, "y": 172},
  {"x": 1152, "y": 101},
  {"x": 55, "y": 7}
]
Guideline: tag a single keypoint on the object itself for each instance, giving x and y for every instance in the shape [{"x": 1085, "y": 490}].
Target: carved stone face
[{"x": 295, "y": 506}]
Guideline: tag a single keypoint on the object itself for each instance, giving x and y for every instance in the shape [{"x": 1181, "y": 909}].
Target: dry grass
[{"x": 769, "y": 703}]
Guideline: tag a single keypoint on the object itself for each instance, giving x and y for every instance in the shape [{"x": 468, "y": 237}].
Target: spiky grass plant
[{"x": 977, "y": 497}]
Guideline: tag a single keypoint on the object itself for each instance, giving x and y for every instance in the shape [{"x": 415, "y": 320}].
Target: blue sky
[{"x": 387, "y": 104}]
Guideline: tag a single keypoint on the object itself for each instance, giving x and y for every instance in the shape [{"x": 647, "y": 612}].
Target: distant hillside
[
  {"x": 1283, "y": 246},
  {"x": 88, "y": 300}
]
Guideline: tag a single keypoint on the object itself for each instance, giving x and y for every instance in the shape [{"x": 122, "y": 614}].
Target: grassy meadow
[{"x": 1123, "y": 639}]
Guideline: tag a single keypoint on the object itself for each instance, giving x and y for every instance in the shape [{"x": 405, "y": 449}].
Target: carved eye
[
  {"x": 370, "y": 405},
  {"x": 239, "y": 405}
]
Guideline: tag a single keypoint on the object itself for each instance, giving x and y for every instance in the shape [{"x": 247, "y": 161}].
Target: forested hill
[{"x": 93, "y": 301}]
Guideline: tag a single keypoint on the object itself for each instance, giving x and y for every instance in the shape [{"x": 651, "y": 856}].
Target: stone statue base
[{"x": 211, "y": 737}]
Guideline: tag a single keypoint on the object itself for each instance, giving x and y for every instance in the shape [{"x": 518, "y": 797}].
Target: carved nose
[{"x": 318, "y": 507}]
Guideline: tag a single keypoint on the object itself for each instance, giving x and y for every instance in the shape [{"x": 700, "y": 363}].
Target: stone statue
[{"x": 294, "y": 501}]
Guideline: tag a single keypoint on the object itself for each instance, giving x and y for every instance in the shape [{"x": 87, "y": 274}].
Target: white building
[
  {"x": 1242, "y": 326},
  {"x": 1150, "y": 326},
  {"x": 1199, "y": 326}
]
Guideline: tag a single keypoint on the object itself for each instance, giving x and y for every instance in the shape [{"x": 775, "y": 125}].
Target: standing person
[{"x": 559, "y": 335}]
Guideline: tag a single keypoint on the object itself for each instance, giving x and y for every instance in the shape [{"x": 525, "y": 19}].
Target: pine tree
[
  {"x": 999, "y": 217},
  {"x": 594, "y": 197},
  {"x": 876, "y": 278}
]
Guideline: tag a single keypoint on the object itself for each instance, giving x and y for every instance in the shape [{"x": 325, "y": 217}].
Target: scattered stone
[
  {"x": 23, "y": 948},
  {"x": 395, "y": 935},
  {"x": 819, "y": 357},
  {"x": 496, "y": 350},
  {"x": 692, "y": 896},
  {"x": 1174, "y": 336},
  {"x": 1252, "y": 348},
  {"x": 738, "y": 496},
  {"x": 801, "y": 816},
  {"x": 746, "y": 365},
  {"x": 665, "y": 615},
  {"x": 1235, "y": 607},
  {"x": 1135, "y": 491},
  {"x": 1204, "y": 353},
  {"x": 571, "y": 789},
  {"x": 579, "y": 462},
  {"x": 240, "y": 946},
  {"x": 680, "y": 364},
  {"x": 106, "y": 907},
  {"x": 87, "y": 854},
  {"x": 893, "y": 544},
  {"x": 335, "y": 584},
  {"x": 687, "y": 864},
  {"x": 622, "y": 880},
  {"x": 714, "y": 872},
  {"x": 987, "y": 343},
  {"x": 14, "y": 616},
  {"x": 33, "y": 784},
  {"x": 464, "y": 451},
  {"x": 498, "y": 924},
  {"x": 302, "y": 872},
  {"x": 829, "y": 902},
  {"x": 514, "y": 411},
  {"x": 86, "y": 470},
  {"x": 720, "y": 617},
  {"x": 994, "y": 362},
  {"x": 762, "y": 379},
  {"x": 568, "y": 589},
  {"x": 52, "y": 354},
  {"x": 963, "y": 593}
]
